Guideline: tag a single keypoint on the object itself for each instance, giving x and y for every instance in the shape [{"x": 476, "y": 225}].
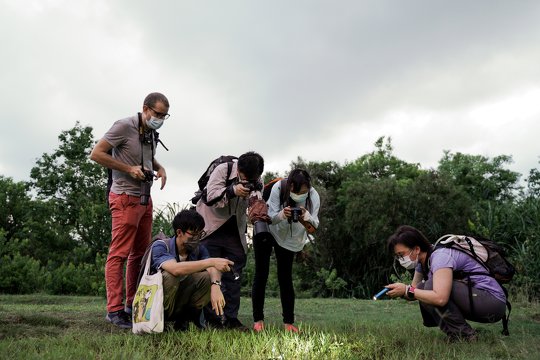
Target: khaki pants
[{"x": 184, "y": 294}]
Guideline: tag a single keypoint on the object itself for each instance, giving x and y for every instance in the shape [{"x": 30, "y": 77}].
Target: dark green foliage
[
  {"x": 80, "y": 279},
  {"x": 71, "y": 187},
  {"x": 20, "y": 274},
  {"x": 55, "y": 230}
]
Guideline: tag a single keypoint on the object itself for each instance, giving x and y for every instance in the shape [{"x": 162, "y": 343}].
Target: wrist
[{"x": 409, "y": 292}]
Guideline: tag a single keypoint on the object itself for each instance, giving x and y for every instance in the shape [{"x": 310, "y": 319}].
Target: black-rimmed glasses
[{"x": 159, "y": 115}]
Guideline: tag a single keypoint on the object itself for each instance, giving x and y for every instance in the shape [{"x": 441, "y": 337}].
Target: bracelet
[{"x": 216, "y": 282}]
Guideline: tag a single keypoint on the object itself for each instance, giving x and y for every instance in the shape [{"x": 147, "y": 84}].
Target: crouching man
[{"x": 191, "y": 279}]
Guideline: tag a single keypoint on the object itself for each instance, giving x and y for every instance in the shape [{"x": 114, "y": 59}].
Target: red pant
[{"x": 131, "y": 234}]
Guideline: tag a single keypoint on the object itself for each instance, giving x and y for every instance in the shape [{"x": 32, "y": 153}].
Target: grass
[{"x": 67, "y": 327}]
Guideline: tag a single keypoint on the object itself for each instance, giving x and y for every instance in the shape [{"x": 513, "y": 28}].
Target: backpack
[
  {"x": 203, "y": 180},
  {"x": 267, "y": 189},
  {"x": 490, "y": 255}
]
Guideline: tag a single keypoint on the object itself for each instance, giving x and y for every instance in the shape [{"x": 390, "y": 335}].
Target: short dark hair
[
  {"x": 151, "y": 99},
  {"x": 188, "y": 220},
  {"x": 297, "y": 178},
  {"x": 410, "y": 237},
  {"x": 251, "y": 164}
]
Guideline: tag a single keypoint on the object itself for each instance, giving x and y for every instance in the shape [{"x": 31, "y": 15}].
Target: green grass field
[{"x": 65, "y": 327}]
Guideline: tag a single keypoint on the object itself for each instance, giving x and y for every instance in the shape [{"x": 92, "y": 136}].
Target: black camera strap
[{"x": 142, "y": 141}]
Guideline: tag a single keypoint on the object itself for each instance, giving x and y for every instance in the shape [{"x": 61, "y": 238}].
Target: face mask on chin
[
  {"x": 299, "y": 198},
  {"x": 407, "y": 263},
  {"x": 191, "y": 245},
  {"x": 154, "y": 123}
]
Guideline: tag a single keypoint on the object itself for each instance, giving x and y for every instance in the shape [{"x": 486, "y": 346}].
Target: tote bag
[{"x": 147, "y": 313}]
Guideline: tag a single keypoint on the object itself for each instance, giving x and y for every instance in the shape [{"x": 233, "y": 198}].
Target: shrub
[{"x": 20, "y": 274}]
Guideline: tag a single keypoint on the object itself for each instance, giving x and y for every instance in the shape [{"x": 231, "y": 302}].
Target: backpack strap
[
  {"x": 146, "y": 255},
  {"x": 228, "y": 182}
]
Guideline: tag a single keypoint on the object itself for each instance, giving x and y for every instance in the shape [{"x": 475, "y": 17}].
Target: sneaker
[
  {"x": 235, "y": 324},
  {"x": 456, "y": 338},
  {"x": 258, "y": 326},
  {"x": 291, "y": 328},
  {"x": 120, "y": 319},
  {"x": 128, "y": 310}
]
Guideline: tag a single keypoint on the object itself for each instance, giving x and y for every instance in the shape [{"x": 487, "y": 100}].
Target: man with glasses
[
  {"x": 225, "y": 227},
  {"x": 128, "y": 151},
  {"x": 190, "y": 277}
]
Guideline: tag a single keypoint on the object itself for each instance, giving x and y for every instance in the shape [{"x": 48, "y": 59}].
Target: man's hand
[
  {"x": 216, "y": 299},
  {"x": 163, "y": 175},
  {"x": 136, "y": 172},
  {"x": 222, "y": 265},
  {"x": 241, "y": 191}
]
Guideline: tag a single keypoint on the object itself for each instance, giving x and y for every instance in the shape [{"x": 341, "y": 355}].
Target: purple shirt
[{"x": 459, "y": 261}]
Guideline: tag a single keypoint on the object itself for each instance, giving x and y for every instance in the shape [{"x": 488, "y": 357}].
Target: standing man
[
  {"x": 128, "y": 149},
  {"x": 224, "y": 212}
]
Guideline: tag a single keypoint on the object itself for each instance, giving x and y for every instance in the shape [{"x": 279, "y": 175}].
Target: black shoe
[
  {"x": 120, "y": 319},
  {"x": 181, "y": 325},
  {"x": 215, "y": 323},
  {"x": 235, "y": 324}
]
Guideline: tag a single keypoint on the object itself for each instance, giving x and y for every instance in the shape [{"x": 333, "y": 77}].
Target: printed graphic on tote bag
[{"x": 142, "y": 304}]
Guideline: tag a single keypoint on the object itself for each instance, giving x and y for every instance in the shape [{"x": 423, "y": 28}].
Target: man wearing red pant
[{"x": 128, "y": 149}]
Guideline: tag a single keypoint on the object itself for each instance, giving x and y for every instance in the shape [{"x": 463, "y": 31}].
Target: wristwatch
[
  {"x": 216, "y": 282},
  {"x": 410, "y": 292}
]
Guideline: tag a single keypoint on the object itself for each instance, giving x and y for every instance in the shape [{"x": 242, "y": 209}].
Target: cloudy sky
[{"x": 317, "y": 79}]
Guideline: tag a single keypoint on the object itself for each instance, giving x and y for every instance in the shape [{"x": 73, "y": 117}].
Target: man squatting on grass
[
  {"x": 133, "y": 142},
  {"x": 187, "y": 288}
]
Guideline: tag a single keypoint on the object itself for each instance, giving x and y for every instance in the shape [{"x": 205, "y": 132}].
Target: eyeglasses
[
  {"x": 159, "y": 115},
  {"x": 196, "y": 236},
  {"x": 399, "y": 257}
]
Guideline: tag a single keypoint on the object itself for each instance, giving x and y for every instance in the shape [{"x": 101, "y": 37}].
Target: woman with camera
[{"x": 293, "y": 207}]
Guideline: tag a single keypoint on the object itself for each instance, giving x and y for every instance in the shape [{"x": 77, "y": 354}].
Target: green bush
[
  {"x": 80, "y": 279},
  {"x": 20, "y": 274}
]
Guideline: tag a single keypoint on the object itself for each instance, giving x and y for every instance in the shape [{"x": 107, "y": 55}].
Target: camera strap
[{"x": 141, "y": 139}]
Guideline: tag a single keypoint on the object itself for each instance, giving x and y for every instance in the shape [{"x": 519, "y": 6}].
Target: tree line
[{"x": 55, "y": 228}]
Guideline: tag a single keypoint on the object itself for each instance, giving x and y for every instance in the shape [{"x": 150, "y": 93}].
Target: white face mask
[
  {"x": 299, "y": 198},
  {"x": 154, "y": 123},
  {"x": 407, "y": 263}
]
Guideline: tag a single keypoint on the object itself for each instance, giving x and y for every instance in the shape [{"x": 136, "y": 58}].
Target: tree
[
  {"x": 481, "y": 177},
  {"x": 72, "y": 189}
]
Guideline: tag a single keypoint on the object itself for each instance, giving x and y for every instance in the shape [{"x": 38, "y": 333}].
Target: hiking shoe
[
  {"x": 120, "y": 319},
  {"x": 235, "y": 324},
  {"x": 291, "y": 328},
  {"x": 258, "y": 326},
  {"x": 455, "y": 338}
]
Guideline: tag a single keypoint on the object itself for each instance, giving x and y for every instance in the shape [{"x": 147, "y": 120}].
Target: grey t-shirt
[{"x": 123, "y": 136}]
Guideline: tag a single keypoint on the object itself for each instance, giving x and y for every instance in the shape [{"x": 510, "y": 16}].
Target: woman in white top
[{"x": 293, "y": 207}]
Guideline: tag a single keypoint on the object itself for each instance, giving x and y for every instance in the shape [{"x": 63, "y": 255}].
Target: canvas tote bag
[{"x": 148, "y": 315}]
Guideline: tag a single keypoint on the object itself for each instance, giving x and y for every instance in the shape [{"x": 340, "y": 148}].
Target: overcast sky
[{"x": 317, "y": 79}]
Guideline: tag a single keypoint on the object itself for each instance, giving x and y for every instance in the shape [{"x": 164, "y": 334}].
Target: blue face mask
[
  {"x": 299, "y": 198},
  {"x": 154, "y": 123}
]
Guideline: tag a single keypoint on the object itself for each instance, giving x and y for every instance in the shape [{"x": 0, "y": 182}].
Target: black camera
[
  {"x": 146, "y": 184},
  {"x": 252, "y": 186},
  {"x": 296, "y": 212}
]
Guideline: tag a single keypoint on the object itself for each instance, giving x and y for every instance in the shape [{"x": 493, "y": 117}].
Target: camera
[
  {"x": 252, "y": 186},
  {"x": 146, "y": 184},
  {"x": 258, "y": 215},
  {"x": 296, "y": 212}
]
